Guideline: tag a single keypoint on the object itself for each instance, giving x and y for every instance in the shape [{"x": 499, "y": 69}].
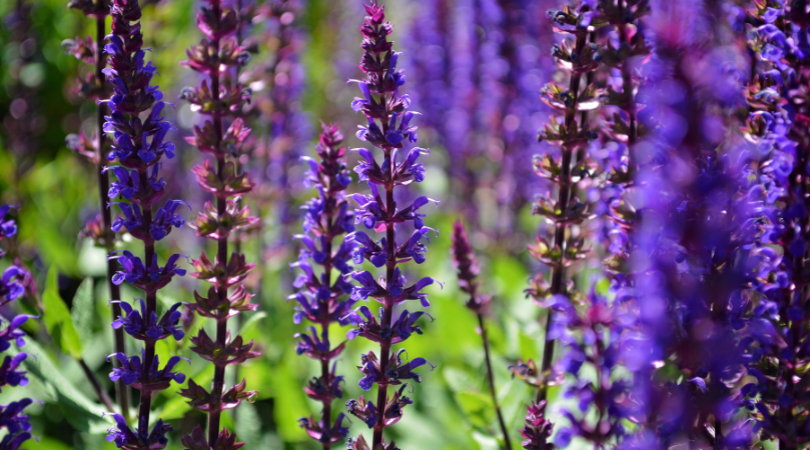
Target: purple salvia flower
[
  {"x": 389, "y": 126},
  {"x": 279, "y": 81},
  {"x": 95, "y": 87},
  {"x": 322, "y": 297},
  {"x": 777, "y": 128},
  {"x": 537, "y": 430},
  {"x": 596, "y": 335},
  {"x": 12, "y": 416},
  {"x": 561, "y": 207},
  {"x": 693, "y": 245},
  {"x": 219, "y": 55},
  {"x": 139, "y": 145}
]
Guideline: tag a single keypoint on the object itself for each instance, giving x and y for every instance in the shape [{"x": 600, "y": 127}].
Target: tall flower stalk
[
  {"x": 561, "y": 207},
  {"x": 321, "y": 296},
  {"x": 778, "y": 126},
  {"x": 91, "y": 51},
  {"x": 388, "y": 128},
  {"x": 596, "y": 332},
  {"x": 139, "y": 134},
  {"x": 467, "y": 267},
  {"x": 216, "y": 55},
  {"x": 12, "y": 416}
]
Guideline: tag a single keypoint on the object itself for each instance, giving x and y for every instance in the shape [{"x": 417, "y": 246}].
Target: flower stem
[
  {"x": 558, "y": 271},
  {"x": 99, "y": 390},
  {"x": 215, "y": 412},
  {"x": 385, "y": 345},
  {"x": 490, "y": 378},
  {"x": 151, "y": 308}
]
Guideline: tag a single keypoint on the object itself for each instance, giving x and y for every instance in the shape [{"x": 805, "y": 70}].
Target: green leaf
[
  {"x": 250, "y": 324},
  {"x": 83, "y": 414},
  {"x": 82, "y": 313},
  {"x": 58, "y": 320},
  {"x": 248, "y": 423}
]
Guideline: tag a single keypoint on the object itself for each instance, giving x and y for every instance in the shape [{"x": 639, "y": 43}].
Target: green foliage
[
  {"x": 81, "y": 412},
  {"x": 58, "y": 320}
]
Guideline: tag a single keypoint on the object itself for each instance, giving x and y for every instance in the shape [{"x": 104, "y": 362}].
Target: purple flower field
[{"x": 426, "y": 224}]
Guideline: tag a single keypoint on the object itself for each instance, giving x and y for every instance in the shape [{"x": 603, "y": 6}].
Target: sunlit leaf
[{"x": 58, "y": 320}]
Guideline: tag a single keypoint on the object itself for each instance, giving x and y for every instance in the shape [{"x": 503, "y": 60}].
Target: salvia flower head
[
  {"x": 389, "y": 126},
  {"x": 140, "y": 141},
  {"x": 220, "y": 98},
  {"x": 12, "y": 415},
  {"x": 323, "y": 298}
]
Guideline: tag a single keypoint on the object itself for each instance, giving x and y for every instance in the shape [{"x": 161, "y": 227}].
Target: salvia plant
[
  {"x": 777, "y": 125},
  {"x": 94, "y": 86},
  {"x": 561, "y": 207},
  {"x": 218, "y": 97},
  {"x": 324, "y": 297},
  {"x": 670, "y": 268},
  {"x": 12, "y": 416},
  {"x": 139, "y": 134},
  {"x": 388, "y": 128},
  {"x": 468, "y": 271}
]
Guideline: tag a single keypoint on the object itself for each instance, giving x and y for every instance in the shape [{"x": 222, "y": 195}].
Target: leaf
[
  {"x": 82, "y": 312},
  {"x": 477, "y": 407},
  {"x": 250, "y": 324},
  {"x": 290, "y": 399},
  {"x": 83, "y": 414},
  {"x": 58, "y": 320},
  {"x": 248, "y": 423}
]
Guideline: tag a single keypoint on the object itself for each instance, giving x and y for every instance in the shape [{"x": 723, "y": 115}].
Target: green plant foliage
[{"x": 58, "y": 319}]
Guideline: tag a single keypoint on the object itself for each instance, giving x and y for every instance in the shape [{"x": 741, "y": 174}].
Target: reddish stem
[
  {"x": 558, "y": 271},
  {"x": 215, "y": 413}
]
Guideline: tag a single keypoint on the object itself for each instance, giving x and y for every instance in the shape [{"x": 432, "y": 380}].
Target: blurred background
[{"x": 474, "y": 68}]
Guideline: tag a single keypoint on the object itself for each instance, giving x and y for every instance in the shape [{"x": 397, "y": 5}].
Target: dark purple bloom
[
  {"x": 8, "y": 227},
  {"x": 153, "y": 328},
  {"x": 322, "y": 297},
  {"x": 140, "y": 139},
  {"x": 10, "y": 287},
  {"x": 13, "y": 283},
  {"x": 132, "y": 372},
  {"x": 388, "y": 127},
  {"x": 123, "y": 437}
]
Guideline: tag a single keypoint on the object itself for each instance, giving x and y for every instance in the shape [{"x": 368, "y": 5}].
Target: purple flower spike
[
  {"x": 323, "y": 298},
  {"x": 139, "y": 145},
  {"x": 14, "y": 282},
  {"x": 389, "y": 127}
]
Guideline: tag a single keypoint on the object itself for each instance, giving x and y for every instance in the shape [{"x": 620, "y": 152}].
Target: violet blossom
[
  {"x": 323, "y": 296},
  {"x": 91, "y": 50},
  {"x": 139, "y": 145},
  {"x": 388, "y": 126},
  {"x": 12, "y": 415},
  {"x": 467, "y": 267}
]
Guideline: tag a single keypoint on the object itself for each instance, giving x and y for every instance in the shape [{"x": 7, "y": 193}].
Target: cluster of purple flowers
[
  {"x": 477, "y": 70},
  {"x": 389, "y": 128},
  {"x": 322, "y": 296},
  {"x": 95, "y": 87},
  {"x": 287, "y": 126},
  {"x": 217, "y": 56},
  {"x": 139, "y": 134},
  {"x": 777, "y": 126},
  {"x": 12, "y": 415}
]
